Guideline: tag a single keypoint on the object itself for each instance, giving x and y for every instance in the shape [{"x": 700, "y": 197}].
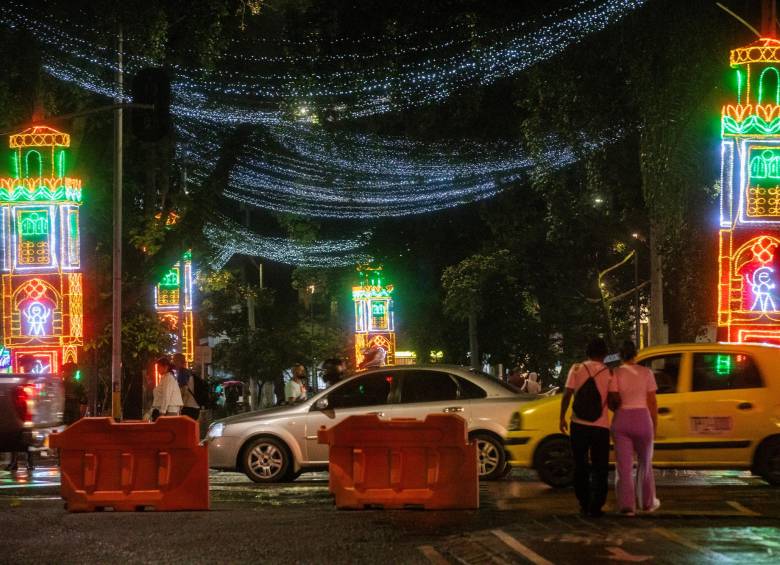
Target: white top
[
  {"x": 633, "y": 382},
  {"x": 578, "y": 374},
  {"x": 379, "y": 358},
  {"x": 295, "y": 390},
  {"x": 167, "y": 396},
  {"x": 532, "y": 385}
]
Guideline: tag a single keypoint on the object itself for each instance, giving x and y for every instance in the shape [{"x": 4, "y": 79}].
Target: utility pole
[
  {"x": 637, "y": 315},
  {"x": 116, "y": 287}
]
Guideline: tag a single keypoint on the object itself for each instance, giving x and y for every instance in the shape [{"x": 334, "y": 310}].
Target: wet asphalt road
[{"x": 706, "y": 517}]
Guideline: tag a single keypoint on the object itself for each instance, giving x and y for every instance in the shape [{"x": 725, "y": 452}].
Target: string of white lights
[
  {"x": 363, "y": 90},
  {"x": 230, "y": 238}
]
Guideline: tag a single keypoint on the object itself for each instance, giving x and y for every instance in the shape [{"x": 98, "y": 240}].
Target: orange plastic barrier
[
  {"x": 133, "y": 465},
  {"x": 404, "y": 462}
]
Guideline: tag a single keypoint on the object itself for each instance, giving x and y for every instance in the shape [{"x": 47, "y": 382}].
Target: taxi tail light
[{"x": 23, "y": 402}]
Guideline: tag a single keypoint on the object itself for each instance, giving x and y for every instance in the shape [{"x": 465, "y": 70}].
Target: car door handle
[
  {"x": 664, "y": 410},
  {"x": 451, "y": 409},
  {"x": 377, "y": 414},
  {"x": 744, "y": 406}
]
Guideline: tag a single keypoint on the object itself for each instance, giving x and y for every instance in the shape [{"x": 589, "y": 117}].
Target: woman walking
[{"x": 632, "y": 391}]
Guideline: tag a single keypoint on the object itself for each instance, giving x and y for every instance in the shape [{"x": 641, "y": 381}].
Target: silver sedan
[{"x": 278, "y": 444}]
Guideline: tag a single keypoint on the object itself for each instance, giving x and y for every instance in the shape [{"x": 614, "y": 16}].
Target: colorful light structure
[
  {"x": 749, "y": 256},
  {"x": 374, "y": 323},
  {"x": 168, "y": 304},
  {"x": 40, "y": 252}
]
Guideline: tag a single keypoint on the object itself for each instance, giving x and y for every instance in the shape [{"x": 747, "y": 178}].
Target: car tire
[
  {"x": 266, "y": 460},
  {"x": 491, "y": 458},
  {"x": 768, "y": 461},
  {"x": 554, "y": 462}
]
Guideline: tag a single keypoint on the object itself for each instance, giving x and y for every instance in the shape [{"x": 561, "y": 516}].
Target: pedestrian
[
  {"x": 75, "y": 395},
  {"x": 632, "y": 392},
  {"x": 267, "y": 399},
  {"x": 27, "y": 366},
  {"x": 532, "y": 384},
  {"x": 295, "y": 389},
  {"x": 588, "y": 382},
  {"x": 374, "y": 356},
  {"x": 167, "y": 399},
  {"x": 333, "y": 371},
  {"x": 517, "y": 378},
  {"x": 187, "y": 386}
]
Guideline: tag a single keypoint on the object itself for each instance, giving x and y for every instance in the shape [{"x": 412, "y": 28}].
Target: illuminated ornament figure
[
  {"x": 40, "y": 252},
  {"x": 374, "y": 322},
  {"x": 750, "y": 198},
  {"x": 762, "y": 285},
  {"x": 172, "y": 307},
  {"x": 36, "y": 315}
]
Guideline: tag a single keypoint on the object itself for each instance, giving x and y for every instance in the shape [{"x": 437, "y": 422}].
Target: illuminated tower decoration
[
  {"x": 167, "y": 295},
  {"x": 749, "y": 257},
  {"x": 39, "y": 210},
  {"x": 373, "y": 314}
]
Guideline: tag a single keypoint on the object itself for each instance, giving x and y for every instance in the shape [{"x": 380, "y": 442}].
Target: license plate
[{"x": 712, "y": 425}]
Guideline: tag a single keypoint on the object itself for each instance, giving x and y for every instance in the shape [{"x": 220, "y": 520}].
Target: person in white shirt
[
  {"x": 295, "y": 390},
  {"x": 167, "y": 399},
  {"x": 632, "y": 391}
]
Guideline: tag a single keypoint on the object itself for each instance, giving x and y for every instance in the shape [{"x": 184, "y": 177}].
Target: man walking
[
  {"x": 589, "y": 382},
  {"x": 186, "y": 381}
]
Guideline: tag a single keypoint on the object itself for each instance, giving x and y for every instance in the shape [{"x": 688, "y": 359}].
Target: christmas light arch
[{"x": 40, "y": 259}]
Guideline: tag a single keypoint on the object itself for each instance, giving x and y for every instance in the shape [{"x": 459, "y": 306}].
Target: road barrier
[
  {"x": 402, "y": 463},
  {"x": 133, "y": 465}
]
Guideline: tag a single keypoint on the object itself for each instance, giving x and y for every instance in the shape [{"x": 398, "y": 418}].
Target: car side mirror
[{"x": 321, "y": 404}]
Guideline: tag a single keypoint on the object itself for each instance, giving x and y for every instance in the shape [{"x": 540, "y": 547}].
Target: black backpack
[
  {"x": 201, "y": 393},
  {"x": 588, "y": 404}
]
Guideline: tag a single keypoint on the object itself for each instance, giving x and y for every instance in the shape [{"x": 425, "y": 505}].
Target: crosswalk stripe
[
  {"x": 675, "y": 537},
  {"x": 433, "y": 556},
  {"x": 523, "y": 550}
]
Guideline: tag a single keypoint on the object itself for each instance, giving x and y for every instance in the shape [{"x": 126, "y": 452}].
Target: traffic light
[{"x": 152, "y": 86}]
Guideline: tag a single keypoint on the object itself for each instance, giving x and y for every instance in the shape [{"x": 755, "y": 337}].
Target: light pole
[
  {"x": 311, "y": 289},
  {"x": 637, "y": 313}
]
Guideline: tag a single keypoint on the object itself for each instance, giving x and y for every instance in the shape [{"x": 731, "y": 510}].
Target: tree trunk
[
  {"x": 473, "y": 340},
  {"x": 658, "y": 330}
]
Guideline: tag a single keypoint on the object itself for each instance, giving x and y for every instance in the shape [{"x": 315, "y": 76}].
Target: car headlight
[
  {"x": 515, "y": 422},
  {"x": 215, "y": 430}
]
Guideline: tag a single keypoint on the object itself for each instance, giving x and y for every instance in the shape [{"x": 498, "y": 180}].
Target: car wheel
[
  {"x": 491, "y": 458},
  {"x": 554, "y": 462},
  {"x": 768, "y": 461},
  {"x": 266, "y": 460}
]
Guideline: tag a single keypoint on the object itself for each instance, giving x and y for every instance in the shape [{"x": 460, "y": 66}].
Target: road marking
[
  {"x": 742, "y": 509},
  {"x": 677, "y": 538},
  {"x": 433, "y": 555},
  {"x": 620, "y": 554},
  {"x": 523, "y": 550}
]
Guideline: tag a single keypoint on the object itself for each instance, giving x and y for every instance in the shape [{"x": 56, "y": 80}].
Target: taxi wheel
[
  {"x": 266, "y": 460},
  {"x": 491, "y": 458},
  {"x": 768, "y": 461},
  {"x": 554, "y": 462}
]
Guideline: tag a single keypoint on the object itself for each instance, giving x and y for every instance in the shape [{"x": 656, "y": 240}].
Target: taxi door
[
  {"x": 672, "y": 375},
  {"x": 726, "y": 406}
]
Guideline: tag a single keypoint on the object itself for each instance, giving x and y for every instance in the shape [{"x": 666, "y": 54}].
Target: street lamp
[{"x": 311, "y": 289}]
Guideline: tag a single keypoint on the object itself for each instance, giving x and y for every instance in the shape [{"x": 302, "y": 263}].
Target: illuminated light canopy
[{"x": 42, "y": 308}]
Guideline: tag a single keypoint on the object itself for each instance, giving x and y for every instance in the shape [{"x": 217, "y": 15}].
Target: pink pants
[{"x": 632, "y": 429}]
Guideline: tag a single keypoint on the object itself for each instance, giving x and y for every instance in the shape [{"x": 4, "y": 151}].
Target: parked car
[
  {"x": 280, "y": 443},
  {"x": 31, "y": 408},
  {"x": 718, "y": 408}
]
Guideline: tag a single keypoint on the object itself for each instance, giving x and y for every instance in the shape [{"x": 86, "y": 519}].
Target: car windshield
[{"x": 511, "y": 388}]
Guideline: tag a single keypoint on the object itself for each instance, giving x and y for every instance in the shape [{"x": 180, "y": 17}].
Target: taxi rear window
[{"x": 724, "y": 371}]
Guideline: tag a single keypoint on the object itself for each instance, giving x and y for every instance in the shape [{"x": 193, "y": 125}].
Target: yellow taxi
[{"x": 718, "y": 408}]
